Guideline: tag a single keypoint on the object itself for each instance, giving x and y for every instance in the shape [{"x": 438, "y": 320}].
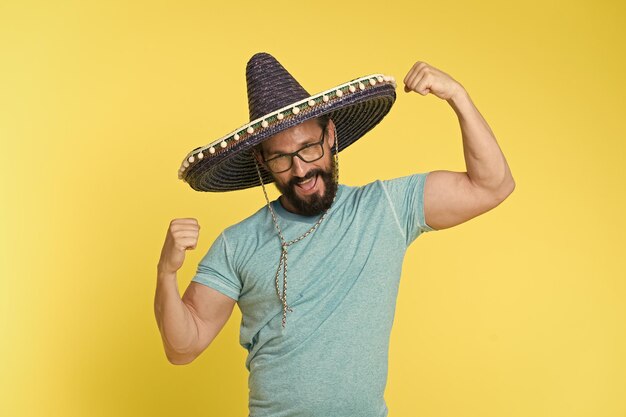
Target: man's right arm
[{"x": 190, "y": 324}]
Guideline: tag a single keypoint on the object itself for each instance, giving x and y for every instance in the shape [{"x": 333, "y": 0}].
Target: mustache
[{"x": 295, "y": 180}]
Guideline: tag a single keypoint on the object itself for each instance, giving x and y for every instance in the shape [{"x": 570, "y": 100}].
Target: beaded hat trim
[{"x": 227, "y": 163}]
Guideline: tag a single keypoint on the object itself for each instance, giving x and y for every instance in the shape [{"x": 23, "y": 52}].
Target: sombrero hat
[{"x": 277, "y": 102}]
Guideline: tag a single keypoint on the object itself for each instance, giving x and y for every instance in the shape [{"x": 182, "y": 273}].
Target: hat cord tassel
[{"x": 282, "y": 263}]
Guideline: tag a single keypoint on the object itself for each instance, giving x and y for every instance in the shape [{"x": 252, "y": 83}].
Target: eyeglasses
[{"x": 309, "y": 153}]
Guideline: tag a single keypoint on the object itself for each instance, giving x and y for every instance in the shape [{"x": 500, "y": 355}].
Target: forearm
[
  {"x": 174, "y": 319},
  {"x": 485, "y": 163}
]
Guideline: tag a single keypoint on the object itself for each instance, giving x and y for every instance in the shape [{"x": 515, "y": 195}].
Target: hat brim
[{"x": 359, "y": 106}]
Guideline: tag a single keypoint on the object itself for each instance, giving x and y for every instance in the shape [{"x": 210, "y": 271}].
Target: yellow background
[{"x": 519, "y": 312}]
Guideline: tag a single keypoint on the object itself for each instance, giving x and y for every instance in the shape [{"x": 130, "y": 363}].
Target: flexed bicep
[{"x": 450, "y": 198}]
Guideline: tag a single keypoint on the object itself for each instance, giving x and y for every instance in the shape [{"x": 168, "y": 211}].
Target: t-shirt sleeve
[
  {"x": 215, "y": 270},
  {"x": 406, "y": 197}
]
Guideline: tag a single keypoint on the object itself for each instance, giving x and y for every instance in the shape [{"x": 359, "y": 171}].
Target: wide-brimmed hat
[{"x": 277, "y": 102}]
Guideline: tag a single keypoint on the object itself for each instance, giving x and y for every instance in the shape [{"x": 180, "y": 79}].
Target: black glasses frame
[{"x": 297, "y": 153}]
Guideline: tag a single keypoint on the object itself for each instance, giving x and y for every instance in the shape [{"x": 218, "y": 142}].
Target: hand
[
  {"x": 182, "y": 235},
  {"x": 424, "y": 79}
]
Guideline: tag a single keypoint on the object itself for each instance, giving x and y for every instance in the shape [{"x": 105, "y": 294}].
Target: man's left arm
[{"x": 451, "y": 198}]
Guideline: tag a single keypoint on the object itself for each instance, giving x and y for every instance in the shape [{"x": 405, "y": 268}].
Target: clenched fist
[
  {"x": 424, "y": 78},
  {"x": 182, "y": 234}
]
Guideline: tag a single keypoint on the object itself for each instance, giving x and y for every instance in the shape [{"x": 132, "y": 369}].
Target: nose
[{"x": 298, "y": 167}]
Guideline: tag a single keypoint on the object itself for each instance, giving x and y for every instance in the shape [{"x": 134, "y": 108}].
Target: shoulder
[
  {"x": 357, "y": 190},
  {"x": 416, "y": 177},
  {"x": 363, "y": 191},
  {"x": 247, "y": 226},
  {"x": 361, "y": 197},
  {"x": 390, "y": 190}
]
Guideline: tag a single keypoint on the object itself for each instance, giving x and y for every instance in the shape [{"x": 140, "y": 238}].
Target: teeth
[{"x": 307, "y": 184}]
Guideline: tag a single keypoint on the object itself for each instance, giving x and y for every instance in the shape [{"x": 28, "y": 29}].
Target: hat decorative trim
[{"x": 267, "y": 121}]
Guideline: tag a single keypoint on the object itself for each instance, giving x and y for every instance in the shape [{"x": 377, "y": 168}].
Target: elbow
[
  {"x": 510, "y": 186},
  {"x": 496, "y": 194},
  {"x": 176, "y": 362},
  {"x": 180, "y": 359},
  {"x": 505, "y": 189},
  {"x": 504, "y": 185}
]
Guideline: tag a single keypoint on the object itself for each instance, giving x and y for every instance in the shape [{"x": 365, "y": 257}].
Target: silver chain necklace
[{"x": 284, "y": 243}]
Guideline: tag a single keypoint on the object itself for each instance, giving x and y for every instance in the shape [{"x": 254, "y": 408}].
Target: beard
[{"x": 314, "y": 204}]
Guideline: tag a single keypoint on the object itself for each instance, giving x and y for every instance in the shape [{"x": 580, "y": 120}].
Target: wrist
[
  {"x": 458, "y": 96},
  {"x": 460, "y": 101}
]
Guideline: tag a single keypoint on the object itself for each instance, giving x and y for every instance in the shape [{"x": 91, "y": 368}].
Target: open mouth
[{"x": 308, "y": 185}]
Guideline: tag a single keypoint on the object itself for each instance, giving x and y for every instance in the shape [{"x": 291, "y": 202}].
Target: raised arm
[
  {"x": 190, "y": 324},
  {"x": 451, "y": 198}
]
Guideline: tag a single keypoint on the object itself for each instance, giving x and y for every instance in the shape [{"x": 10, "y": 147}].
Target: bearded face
[
  {"x": 311, "y": 204},
  {"x": 303, "y": 155}
]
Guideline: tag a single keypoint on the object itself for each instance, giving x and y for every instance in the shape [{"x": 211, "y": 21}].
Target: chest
[{"x": 350, "y": 252}]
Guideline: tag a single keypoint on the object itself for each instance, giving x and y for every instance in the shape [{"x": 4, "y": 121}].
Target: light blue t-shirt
[{"x": 342, "y": 281}]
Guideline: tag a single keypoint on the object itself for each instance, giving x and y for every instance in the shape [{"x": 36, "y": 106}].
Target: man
[{"x": 340, "y": 248}]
